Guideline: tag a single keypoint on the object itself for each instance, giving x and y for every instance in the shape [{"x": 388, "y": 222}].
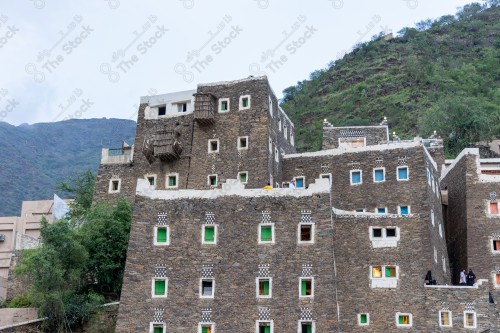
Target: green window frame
[
  {"x": 363, "y": 319},
  {"x": 160, "y": 287},
  {"x": 244, "y": 102},
  {"x": 306, "y": 287},
  {"x": 157, "y": 329},
  {"x": 161, "y": 235},
  {"x": 264, "y": 287},
  {"x": 172, "y": 180},
  {"x": 209, "y": 233},
  {"x": 264, "y": 327},
  {"x": 266, "y": 233},
  {"x": 306, "y": 327}
]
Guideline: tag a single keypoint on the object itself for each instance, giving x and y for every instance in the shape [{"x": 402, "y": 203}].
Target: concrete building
[{"x": 347, "y": 249}]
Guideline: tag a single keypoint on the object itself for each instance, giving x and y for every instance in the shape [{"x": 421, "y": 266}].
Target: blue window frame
[
  {"x": 404, "y": 210},
  {"x": 299, "y": 182},
  {"x": 402, "y": 173},
  {"x": 381, "y": 210},
  {"x": 378, "y": 175},
  {"x": 356, "y": 177}
]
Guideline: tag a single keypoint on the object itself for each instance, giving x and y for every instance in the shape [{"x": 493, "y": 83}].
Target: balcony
[
  {"x": 165, "y": 145},
  {"x": 122, "y": 155},
  {"x": 204, "y": 109}
]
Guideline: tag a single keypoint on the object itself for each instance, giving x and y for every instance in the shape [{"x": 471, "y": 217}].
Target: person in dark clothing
[{"x": 471, "y": 278}]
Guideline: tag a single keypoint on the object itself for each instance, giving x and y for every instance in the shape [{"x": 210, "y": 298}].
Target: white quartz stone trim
[
  {"x": 430, "y": 158},
  {"x": 483, "y": 178},
  {"x": 231, "y": 187},
  {"x": 178, "y": 96},
  {"x": 476, "y": 285}
]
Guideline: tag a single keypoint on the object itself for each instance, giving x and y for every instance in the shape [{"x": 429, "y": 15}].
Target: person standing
[
  {"x": 463, "y": 278},
  {"x": 292, "y": 184},
  {"x": 471, "y": 278}
]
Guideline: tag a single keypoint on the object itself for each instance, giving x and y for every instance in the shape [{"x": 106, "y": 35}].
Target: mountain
[
  {"x": 442, "y": 75},
  {"x": 34, "y": 159}
]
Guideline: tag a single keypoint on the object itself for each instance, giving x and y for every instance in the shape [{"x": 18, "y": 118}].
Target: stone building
[{"x": 347, "y": 248}]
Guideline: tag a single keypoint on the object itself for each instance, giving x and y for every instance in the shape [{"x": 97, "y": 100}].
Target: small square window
[
  {"x": 172, "y": 180},
  {"x": 497, "y": 279},
  {"x": 493, "y": 208},
  {"x": 307, "y": 327},
  {"x": 469, "y": 319},
  {"x": 390, "y": 232},
  {"x": 151, "y": 180},
  {"x": 299, "y": 182},
  {"x": 162, "y": 110},
  {"x": 306, "y": 233},
  {"x": 403, "y": 319},
  {"x": 306, "y": 287},
  {"x": 224, "y": 105},
  {"x": 381, "y": 210},
  {"x": 326, "y": 176},
  {"x": 212, "y": 180},
  {"x": 114, "y": 185},
  {"x": 496, "y": 245},
  {"x": 243, "y": 142},
  {"x": 243, "y": 177},
  {"x": 376, "y": 272},
  {"x": 445, "y": 318},
  {"x": 363, "y": 319},
  {"x": 266, "y": 233},
  {"x": 181, "y": 107},
  {"x": 209, "y": 234},
  {"x": 360, "y": 210},
  {"x": 356, "y": 177},
  {"x": 377, "y": 232},
  {"x": 206, "y": 328},
  {"x": 207, "y": 288},
  {"x": 404, "y": 210},
  {"x": 378, "y": 175},
  {"x": 161, "y": 235},
  {"x": 390, "y": 271},
  {"x": 213, "y": 146},
  {"x": 403, "y": 173},
  {"x": 244, "y": 102},
  {"x": 264, "y": 287},
  {"x": 264, "y": 327},
  {"x": 160, "y": 287},
  {"x": 384, "y": 277},
  {"x": 157, "y": 328}
]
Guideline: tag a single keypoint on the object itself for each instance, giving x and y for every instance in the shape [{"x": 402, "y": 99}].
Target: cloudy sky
[{"x": 95, "y": 58}]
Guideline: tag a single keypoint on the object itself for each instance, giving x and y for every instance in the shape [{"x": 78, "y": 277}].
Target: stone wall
[{"x": 372, "y": 135}]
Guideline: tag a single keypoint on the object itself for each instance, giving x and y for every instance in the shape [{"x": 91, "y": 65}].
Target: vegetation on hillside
[
  {"x": 81, "y": 261},
  {"x": 442, "y": 75}
]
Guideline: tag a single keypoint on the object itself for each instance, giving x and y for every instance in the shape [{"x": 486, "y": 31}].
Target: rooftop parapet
[{"x": 122, "y": 155}]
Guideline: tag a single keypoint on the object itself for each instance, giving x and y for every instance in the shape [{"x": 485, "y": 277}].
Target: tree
[{"x": 81, "y": 188}]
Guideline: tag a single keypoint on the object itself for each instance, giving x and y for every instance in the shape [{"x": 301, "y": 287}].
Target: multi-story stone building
[{"x": 347, "y": 248}]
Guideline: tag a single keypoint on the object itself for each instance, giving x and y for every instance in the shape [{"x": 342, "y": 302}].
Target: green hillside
[
  {"x": 442, "y": 75},
  {"x": 36, "y": 158}
]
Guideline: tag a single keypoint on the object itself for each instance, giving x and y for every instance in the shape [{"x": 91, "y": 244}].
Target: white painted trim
[
  {"x": 239, "y": 178},
  {"x": 303, "y": 182},
  {"x": 360, "y": 177},
  {"x": 377, "y": 169},
  {"x": 492, "y": 240},
  {"x": 210, "y": 151},
  {"x": 203, "y": 234},
  {"x": 203, "y": 324},
  {"x": 475, "y": 319},
  {"x": 312, "y": 287},
  {"x": 329, "y": 176},
  {"x": 110, "y": 189},
  {"x": 221, "y": 100},
  {"x": 270, "y": 279},
  {"x": 450, "y": 317},
  {"x": 271, "y": 106},
  {"x": 407, "y": 173},
  {"x": 385, "y": 210},
  {"x": 213, "y": 287},
  {"x": 383, "y": 282},
  {"x": 167, "y": 178},
  {"x": 409, "y": 209},
  {"x": 154, "y": 176},
  {"x": 241, "y": 107},
  {"x": 272, "y": 233},
  {"x": 432, "y": 217},
  {"x": 238, "y": 143},
  {"x": 153, "y": 324},
  {"x": 153, "y": 287},
  {"x": 367, "y": 319},
  {"x": 257, "y": 322},
  {"x": 494, "y": 276},
  {"x": 344, "y": 143},
  {"x": 216, "y": 180},
  {"x": 440, "y": 227},
  {"x": 313, "y": 325},
  {"x": 313, "y": 229},
  {"x": 404, "y": 314},
  {"x": 155, "y": 233},
  {"x": 384, "y": 240}
]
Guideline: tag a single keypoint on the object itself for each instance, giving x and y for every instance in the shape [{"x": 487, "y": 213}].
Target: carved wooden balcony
[
  {"x": 204, "y": 109},
  {"x": 165, "y": 145}
]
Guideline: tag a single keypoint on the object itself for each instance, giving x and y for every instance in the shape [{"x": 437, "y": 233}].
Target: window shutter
[
  {"x": 161, "y": 235},
  {"x": 363, "y": 319},
  {"x": 159, "y": 287},
  {"x": 206, "y": 330},
  {"x": 493, "y": 208},
  {"x": 403, "y": 173},
  {"x": 158, "y": 330},
  {"x": 265, "y": 233},
  {"x": 401, "y": 320},
  {"x": 379, "y": 175},
  {"x": 303, "y": 288},
  {"x": 267, "y": 329},
  {"x": 209, "y": 234},
  {"x": 266, "y": 288},
  {"x": 498, "y": 278}
]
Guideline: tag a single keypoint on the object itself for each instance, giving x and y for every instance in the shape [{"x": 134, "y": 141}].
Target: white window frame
[
  {"x": 272, "y": 233},
  {"x": 312, "y": 286},
  {"x": 313, "y": 325},
  {"x": 367, "y": 319},
  {"x": 449, "y": 316},
  {"x": 325, "y": 176},
  {"x": 303, "y": 181},
  {"x": 492, "y": 239},
  {"x": 409, "y": 209},
  {"x": 383, "y": 282},
  {"x": 271, "y": 106},
  {"x": 257, "y": 322},
  {"x": 110, "y": 189},
  {"x": 475, "y": 319},
  {"x": 154, "y": 323},
  {"x": 276, "y": 154},
  {"x": 404, "y": 314},
  {"x": 155, "y": 177},
  {"x": 360, "y": 177},
  {"x": 239, "y": 143},
  {"x": 385, "y": 210},
  {"x": 203, "y": 226},
  {"x": 443, "y": 259},
  {"x": 241, "y": 102},
  {"x": 203, "y": 324},
  {"x": 432, "y": 217},
  {"x": 285, "y": 131},
  {"x": 407, "y": 173},
  {"x": 155, "y": 233},
  {"x": 179, "y": 106},
  {"x": 435, "y": 255},
  {"x": 440, "y": 227},
  {"x": 153, "y": 287},
  {"x": 312, "y": 224},
  {"x": 279, "y": 123},
  {"x": 167, "y": 178},
  {"x": 378, "y": 169},
  {"x": 240, "y": 173},
  {"x": 488, "y": 209},
  {"x": 216, "y": 180},
  {"x": 270, "y": 279},
  {"x": 158, "y": 110},
  {"x": 221, "y": 100},
  {"x": 495, "y": 284},
  {"x": 210, "y": 151},
  {"x": 292, "y": 139},
  {"x": 384, "y": 241},
  {"x": 201, "y": 287},
  {"x": 270, "y": 145}
]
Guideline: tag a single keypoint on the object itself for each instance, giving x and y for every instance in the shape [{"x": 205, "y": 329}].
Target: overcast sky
[{"x": 95, "y": 58}]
